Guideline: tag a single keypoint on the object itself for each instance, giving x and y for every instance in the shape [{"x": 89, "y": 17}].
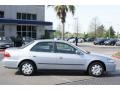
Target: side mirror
[{"x": 78, "y": 53}]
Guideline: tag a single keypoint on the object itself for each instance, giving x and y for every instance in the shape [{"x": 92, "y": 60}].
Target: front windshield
[
  {"x": 84, "y": 51},
  {"x": 81, "y": 50}
]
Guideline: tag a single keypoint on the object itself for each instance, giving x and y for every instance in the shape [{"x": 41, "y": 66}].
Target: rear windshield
[{"x": 26, "y": 45}]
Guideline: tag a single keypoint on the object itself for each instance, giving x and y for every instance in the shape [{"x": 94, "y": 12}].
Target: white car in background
[{"x": 72, "y": 40}]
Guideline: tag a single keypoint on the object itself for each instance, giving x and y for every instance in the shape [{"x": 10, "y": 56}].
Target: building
[{"x": 25, "y": 21}]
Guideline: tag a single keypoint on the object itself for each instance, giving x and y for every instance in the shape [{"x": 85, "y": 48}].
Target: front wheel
[
  {"x": 96, "y": 69},
  {"x": 27, "y": 68}
]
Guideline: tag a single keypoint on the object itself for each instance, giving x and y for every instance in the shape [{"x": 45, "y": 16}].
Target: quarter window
[
  {"x": 43, "y": 47},
  {"x": 64, "y": 48}
]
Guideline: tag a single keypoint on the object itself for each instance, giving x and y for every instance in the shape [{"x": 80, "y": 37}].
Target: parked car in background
[
  {"x": 56, "y": 54},
  {"x": 118, "y": 43},
  {"x": 90, "y": 39},
  {"x": 100, "y": 41},
  {"x": 27, "y": 39},
  {"x": 110, "y": 42},
  {"x": 80, "y": 40},
  {"x": 6, "y": 43},
  {"x": 72, "y": 40}
]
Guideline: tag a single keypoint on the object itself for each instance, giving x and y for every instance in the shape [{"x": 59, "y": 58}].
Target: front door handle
[
  {"x": 34, "y": 56},
  {"x": 60, "y": 57}
]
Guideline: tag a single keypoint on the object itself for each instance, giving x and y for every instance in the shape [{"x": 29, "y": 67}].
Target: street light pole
[
  {"x": 68, "y": 31},
  {"x": 76, "y": 22},
  {"x": 109, "y": 33}
]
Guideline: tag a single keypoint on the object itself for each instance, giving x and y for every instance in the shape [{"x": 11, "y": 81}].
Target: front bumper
[{"x": 110, "y": 67}]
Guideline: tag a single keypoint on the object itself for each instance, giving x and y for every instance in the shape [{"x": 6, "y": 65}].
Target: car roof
[{"x": 50, "y": 40}]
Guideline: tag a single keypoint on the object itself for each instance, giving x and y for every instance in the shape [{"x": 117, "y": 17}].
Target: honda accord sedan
[{"x": 56, "y": 54}]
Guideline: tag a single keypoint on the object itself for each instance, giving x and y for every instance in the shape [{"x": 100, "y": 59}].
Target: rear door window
[{"x": 43, "y": 47}]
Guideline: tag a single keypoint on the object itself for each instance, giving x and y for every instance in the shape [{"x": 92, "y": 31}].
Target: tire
[
  {"x": 27, "y": 68},
  {"x": 92, "y": 69}
]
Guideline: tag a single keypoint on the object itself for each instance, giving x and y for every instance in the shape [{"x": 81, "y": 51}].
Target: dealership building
[{"x": 25, "y": 21}]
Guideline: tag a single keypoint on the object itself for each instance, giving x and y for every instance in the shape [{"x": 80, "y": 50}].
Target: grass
[{"x": 117, "y": 54}]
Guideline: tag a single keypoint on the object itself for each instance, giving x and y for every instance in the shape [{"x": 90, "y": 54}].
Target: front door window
[{"x": 65, "y": 48}]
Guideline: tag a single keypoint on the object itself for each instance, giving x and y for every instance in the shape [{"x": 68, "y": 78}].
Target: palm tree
[{"x": 61, "y": 11}]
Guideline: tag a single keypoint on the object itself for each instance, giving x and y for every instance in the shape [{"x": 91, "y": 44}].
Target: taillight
[{"x": 6, "y": 54}]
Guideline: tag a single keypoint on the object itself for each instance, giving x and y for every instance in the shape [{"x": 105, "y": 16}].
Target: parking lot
[{"x": 10, "y": 77}]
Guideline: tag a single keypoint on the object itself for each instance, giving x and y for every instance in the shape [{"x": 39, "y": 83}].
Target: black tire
[
  {"x": 31, "y": 69},
  {"x": 92, "y": 73}
]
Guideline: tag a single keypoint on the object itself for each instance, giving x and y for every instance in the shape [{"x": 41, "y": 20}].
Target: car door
[
  {"x": 67, "y": 57},
  {"x": 43, "y": 54}
]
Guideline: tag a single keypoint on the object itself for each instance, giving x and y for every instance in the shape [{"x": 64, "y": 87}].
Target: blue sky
[{"x": 107, "y": 15}]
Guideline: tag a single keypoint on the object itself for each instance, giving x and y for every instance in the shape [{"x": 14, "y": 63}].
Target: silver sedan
[{"x": 56, "y": 54}]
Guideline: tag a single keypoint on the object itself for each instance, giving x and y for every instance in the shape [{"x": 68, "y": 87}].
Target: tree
[
  {"x": 100, "y": 31},
  {"x": 61, "y": 11},
  {"x": 93, "y": 27},
  {"x": 57, "y": 34},
  {"x": 110, "y": 32}
]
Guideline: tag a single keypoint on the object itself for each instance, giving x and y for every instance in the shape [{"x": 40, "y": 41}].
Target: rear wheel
[
  {"x": 27, "y": 68},
  {"x": 96, "y": 69}
]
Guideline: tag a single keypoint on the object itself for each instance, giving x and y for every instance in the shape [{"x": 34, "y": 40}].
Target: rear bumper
[{"x": 12, "y": 64}]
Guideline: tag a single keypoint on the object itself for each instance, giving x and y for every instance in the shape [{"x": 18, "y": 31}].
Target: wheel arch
[
  {"x": 27, "y": 60},
  {"x": 98, "y": 62}
]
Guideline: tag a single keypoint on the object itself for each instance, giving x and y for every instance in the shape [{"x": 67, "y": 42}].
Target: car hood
[{"x": 97, "y": 56}]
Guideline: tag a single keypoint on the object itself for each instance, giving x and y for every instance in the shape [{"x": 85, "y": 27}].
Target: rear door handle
[{"x": 34, "y": 56}]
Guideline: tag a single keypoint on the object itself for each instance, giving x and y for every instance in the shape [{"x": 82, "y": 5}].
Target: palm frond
[{"x": 72, "y": 9}]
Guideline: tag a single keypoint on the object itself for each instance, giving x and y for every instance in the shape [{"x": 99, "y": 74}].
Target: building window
[
  {"x": 1, "y": 14},
  {"x": 26, "y": 16},
  {"x": 26, "y": 31},
  {"x": 2, "y": 31},
  {"x": 33, "y": 31},
  {"x": 34, "y": 17},
  {"x": 19, "y": 15}
]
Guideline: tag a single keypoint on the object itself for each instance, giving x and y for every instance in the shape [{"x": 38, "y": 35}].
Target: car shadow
[
  {"x": 112, "y": 74},
  {"x": 57, "y": 73},
  {"x": 69, "y": 73}
]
